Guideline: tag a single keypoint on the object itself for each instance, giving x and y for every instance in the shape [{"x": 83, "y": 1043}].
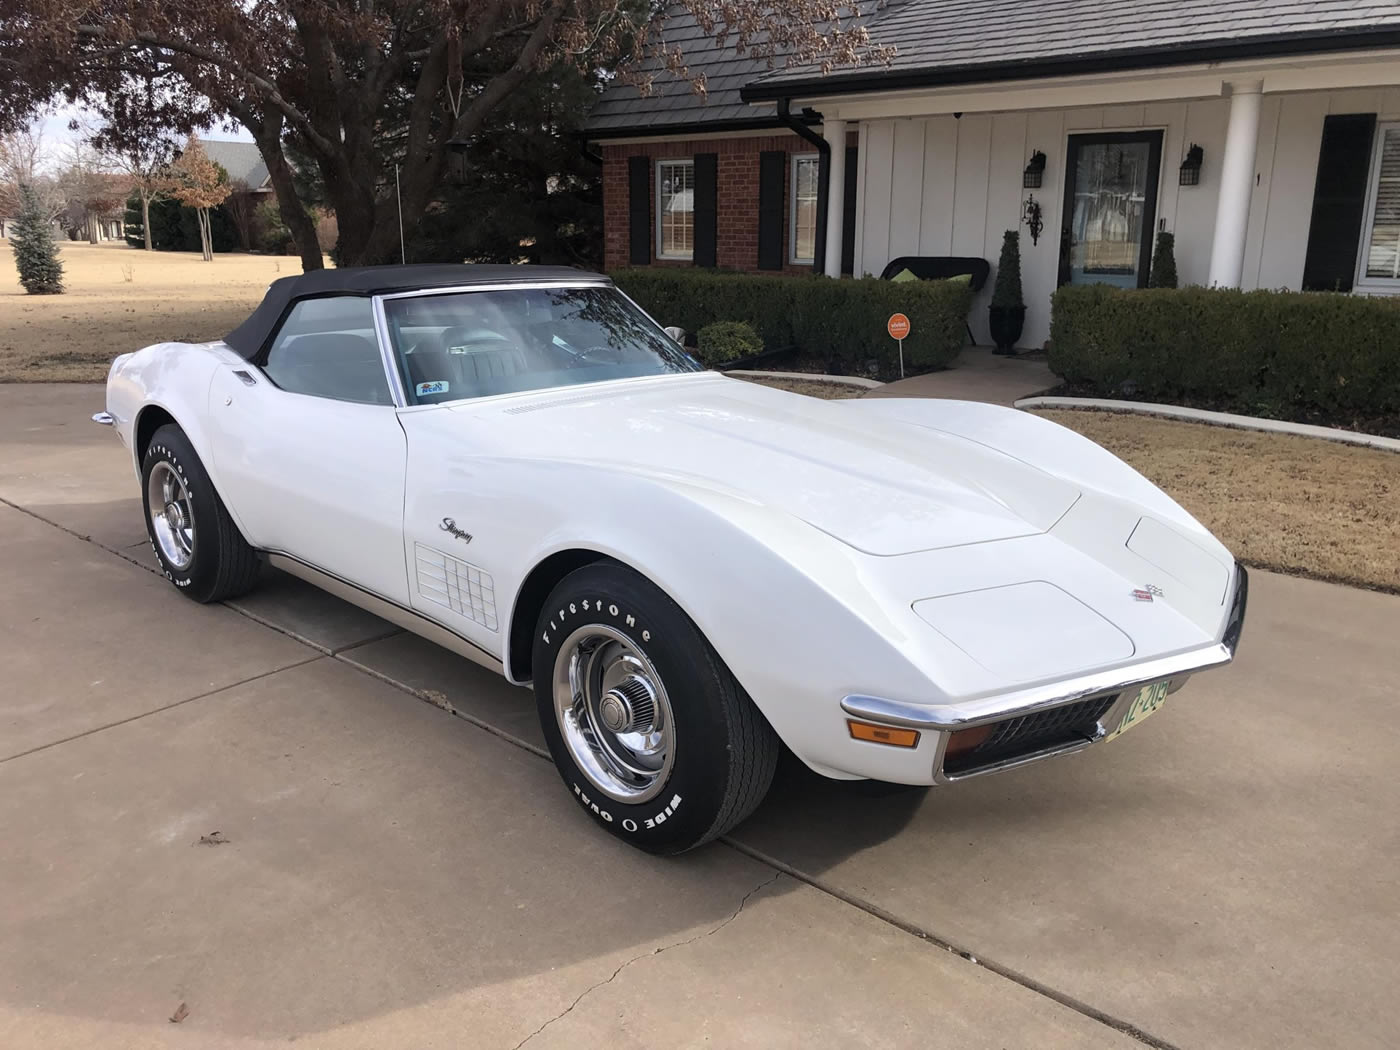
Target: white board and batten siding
[{"x": 952, "y": 186}]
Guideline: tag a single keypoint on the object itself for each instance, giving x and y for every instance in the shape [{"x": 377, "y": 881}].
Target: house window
[
  {"x": 1380, "y": 246},
  {"x": 675, "y": 209},
  {"x": 803, "y": 223}
]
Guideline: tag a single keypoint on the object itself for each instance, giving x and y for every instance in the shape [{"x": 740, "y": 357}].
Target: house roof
[
  {"x": 953, "y": 41},
  {"x": 241, "y": 160},
  {"x": 959, "y": 42},
  {"x": 673, "y": 105},
  {"x": 622, "y": 108}
]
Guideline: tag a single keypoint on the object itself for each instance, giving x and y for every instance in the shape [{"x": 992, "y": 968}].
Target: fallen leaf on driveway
[
  {"x": 181, "y": 1012},
  {"x": 214, "y": 838}
]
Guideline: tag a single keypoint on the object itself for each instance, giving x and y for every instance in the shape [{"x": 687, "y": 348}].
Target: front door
[
  {"x": 308, "y": 447},
  {"x": 1110, "y": 208}
]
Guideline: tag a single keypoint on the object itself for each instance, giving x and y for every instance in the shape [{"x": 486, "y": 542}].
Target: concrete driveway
[{"x": 251, "y": 811}]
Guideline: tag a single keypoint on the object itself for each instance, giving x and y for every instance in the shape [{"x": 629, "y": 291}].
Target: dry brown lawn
[
  {"x": 810, "y": 387},
  {"x": 171, "y": 295},
  {"x": 1292, "y": 504}
]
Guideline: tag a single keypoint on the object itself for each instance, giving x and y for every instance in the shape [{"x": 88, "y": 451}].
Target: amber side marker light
[{"x": 883, "y": 734}]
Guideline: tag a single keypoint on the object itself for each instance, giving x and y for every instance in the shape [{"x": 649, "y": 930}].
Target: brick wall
[{"x": 737, "y": 206}]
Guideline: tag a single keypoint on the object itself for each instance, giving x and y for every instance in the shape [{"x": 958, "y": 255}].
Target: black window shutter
[
  {"x": 772, "y": 182},
  {"x": 639, "y": 210},
  {"x": 1339, "y": 202},
  {"x": 848, "y": 214},
  {"x": 706, "y": 208}
]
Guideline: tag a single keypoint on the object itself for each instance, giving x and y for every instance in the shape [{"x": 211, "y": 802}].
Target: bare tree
[
  {"x": 92, "y": 189},
  {"x": 198, "y": 183},
  {"x": 326, "y": 77}
]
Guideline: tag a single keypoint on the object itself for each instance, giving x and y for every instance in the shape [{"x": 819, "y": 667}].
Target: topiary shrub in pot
[
  {"x": 723, "y": 341},
  {"x": 1163, "y": 272},
  {"x": 1007, "y": 313}
]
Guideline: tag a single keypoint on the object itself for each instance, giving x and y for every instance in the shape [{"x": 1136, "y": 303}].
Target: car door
[{"x": 308, "y": 447}]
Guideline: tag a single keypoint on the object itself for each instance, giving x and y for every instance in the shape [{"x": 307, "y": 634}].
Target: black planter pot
[{"x": 1006, "y": 323}]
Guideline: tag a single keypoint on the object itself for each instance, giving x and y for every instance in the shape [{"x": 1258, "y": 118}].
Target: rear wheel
[
  {"x": 650, "y": 731},
  {"x": 196, "y": 542}
]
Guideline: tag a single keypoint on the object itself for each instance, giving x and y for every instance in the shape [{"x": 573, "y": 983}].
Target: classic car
[{"x": 693, "y": 571}]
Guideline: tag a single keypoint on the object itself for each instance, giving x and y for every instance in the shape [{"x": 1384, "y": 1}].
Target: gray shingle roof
[
  {"x": 949, "y": 41},
  {"x": 240, "y": 159},
  {"x": 673, "y": 103}
]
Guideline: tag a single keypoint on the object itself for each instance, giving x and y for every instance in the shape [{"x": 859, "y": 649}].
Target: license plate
[{"x": 1147, "y": 701}]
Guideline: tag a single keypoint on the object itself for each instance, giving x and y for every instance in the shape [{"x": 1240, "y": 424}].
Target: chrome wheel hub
[
  {"x": 172, "y": 517},
  {"x": 613, "y": 714}
]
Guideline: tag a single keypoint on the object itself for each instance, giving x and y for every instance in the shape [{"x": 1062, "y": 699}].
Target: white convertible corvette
[{"x": 518, "y": 464}]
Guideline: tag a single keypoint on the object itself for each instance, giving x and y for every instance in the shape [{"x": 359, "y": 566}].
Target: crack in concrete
[{"x": 648, "y": 955}]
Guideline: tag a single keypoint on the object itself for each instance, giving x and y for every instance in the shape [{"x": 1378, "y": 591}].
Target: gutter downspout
[{"x": 823, "y": 176}]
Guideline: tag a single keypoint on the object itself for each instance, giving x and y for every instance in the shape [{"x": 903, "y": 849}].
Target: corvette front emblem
[{"x": 1145, "y": 594}]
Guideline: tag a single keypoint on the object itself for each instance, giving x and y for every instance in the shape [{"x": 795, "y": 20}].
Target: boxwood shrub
[
  {"x": 1320, "y": 356},
  {"x": 725, "y": 341},
  {"x": 841, "y": 322}
]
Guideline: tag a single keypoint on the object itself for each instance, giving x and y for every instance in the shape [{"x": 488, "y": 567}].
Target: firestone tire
[
  {"x": 196, "y": 542},
  {"x": 648, "y": 728}
]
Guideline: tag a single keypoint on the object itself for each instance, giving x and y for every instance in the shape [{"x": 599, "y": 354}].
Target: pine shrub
[{"x": 36, "y": 254}]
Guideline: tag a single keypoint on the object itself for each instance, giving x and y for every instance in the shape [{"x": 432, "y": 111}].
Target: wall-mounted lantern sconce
[
  {"x": 1035, "y": 171},
  {"x": 1191, "y": 166}
]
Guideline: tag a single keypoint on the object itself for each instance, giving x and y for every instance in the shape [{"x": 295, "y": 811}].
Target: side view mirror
[{"x": 676, "y": 333}]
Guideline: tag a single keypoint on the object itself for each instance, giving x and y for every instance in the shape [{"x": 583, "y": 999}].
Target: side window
[{"x": 327, "y": 348}]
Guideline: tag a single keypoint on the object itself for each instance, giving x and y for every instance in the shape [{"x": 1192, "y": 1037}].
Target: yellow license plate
[{"x": 1147, "y": 701}]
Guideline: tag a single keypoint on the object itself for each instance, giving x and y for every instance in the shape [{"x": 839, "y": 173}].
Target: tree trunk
[
  {"x": 294, "y": 214},
  {"x": 92, "y": 229},
  {"x": 204, "y": 240},
  {"x": 146, "y": 218}
]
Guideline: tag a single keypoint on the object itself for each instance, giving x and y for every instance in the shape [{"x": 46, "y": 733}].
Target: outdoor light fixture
[
  {"x": 1191, "y": 166},
  {"x": 1035, "y": 171}
]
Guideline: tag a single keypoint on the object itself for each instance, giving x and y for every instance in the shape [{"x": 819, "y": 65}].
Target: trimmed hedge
[
  {"x": 1315, "y": 355},
  {"x": 725, "y": 341},
  {"x": 842, "y": 322}
]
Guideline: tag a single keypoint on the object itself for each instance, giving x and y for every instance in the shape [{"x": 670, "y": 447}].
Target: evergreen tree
[
  {"x": 1007, "y": 290},
  {"x": 36, "y": 255},
  {"x": 1163, "y": 272}
]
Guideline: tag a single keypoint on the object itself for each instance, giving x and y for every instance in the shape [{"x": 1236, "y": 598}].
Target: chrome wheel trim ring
[
  {"x": 172, "y": 517},
  {"x": 613, "y": 714}
]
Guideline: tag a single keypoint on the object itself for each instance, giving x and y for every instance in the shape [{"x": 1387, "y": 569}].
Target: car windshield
[{"x": 472, "y": 344}]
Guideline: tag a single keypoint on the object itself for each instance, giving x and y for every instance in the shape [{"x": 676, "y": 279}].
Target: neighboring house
[
  {"x": 243, "y": 163},
  {"x": 108, "y": 229},
  {"x": 1294, "y": 105}
]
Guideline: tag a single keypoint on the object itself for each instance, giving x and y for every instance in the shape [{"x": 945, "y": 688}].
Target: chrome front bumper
[{"x": 1124, "y": 683}]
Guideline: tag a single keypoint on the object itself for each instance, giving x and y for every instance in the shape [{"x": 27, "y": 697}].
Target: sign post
[{"x": 898, "y": 327}]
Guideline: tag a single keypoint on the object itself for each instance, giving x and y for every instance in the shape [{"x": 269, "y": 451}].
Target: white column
[
  {"x": 834, "y": 131},
  {"x": 1236, "y": 185}
]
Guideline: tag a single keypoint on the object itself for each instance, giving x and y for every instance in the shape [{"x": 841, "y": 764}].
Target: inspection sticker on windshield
[
  {"x": 1147, "y": 701},
  {"x": 437, "y": 386}
]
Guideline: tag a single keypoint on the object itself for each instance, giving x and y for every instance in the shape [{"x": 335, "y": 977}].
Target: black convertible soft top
[{"x": 248, "y": 339}]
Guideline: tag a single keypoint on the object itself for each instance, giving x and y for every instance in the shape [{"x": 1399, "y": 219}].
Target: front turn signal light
[{"x": 883, "y": 734}]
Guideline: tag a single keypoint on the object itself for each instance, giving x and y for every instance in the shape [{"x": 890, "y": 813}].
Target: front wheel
[
  {"x": 197, "y": 544},
  {"x": 650, "y": 731}
]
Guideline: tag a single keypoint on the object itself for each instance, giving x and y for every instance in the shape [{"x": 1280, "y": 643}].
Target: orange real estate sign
[{"x": 898, "y": 326}]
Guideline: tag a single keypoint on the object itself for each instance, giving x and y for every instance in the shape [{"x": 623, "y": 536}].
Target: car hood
[{"x": 882, "y": 486}]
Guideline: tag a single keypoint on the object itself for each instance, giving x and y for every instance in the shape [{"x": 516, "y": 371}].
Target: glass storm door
[{"x": 1110, "y": 208}]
